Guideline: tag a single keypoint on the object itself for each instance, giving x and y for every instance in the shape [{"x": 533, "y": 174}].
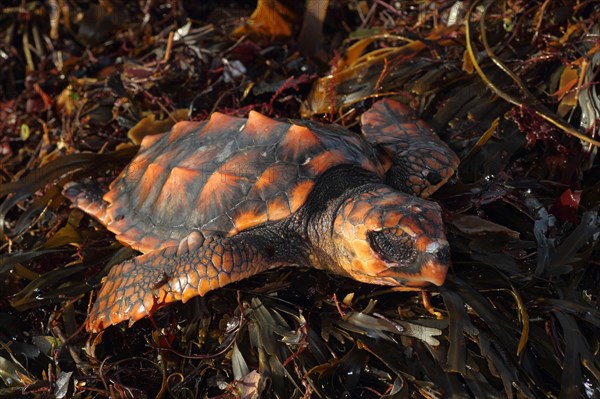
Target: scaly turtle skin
[{"x": 210, "y": 203}]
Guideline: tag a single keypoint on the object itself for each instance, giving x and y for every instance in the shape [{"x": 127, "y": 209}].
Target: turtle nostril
[{"x": 443, "y": 255}]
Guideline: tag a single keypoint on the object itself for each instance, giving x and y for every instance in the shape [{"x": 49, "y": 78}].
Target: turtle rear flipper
[
  {"x": 421, "y": 162},
  {"x": 87, "y": 196},
  {"x": 138, "y": 287}
]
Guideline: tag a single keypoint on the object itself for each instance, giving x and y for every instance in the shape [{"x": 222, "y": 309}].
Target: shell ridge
[{"x": 226, "y": 174}]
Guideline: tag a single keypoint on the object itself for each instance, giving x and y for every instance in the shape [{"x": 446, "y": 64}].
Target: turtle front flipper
[
  {"x": 137, "y": 288},
  {"x": 420, "y": 161}
]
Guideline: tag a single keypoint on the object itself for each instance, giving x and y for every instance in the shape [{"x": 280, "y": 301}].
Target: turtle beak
[
  {"x": 435, "y": 265},
  {"x": 430, "y": 267},
  {"x": 434, "y": 272}
]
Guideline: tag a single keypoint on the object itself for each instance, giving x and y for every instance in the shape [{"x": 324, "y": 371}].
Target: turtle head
[{"x": 386, "y": 237}]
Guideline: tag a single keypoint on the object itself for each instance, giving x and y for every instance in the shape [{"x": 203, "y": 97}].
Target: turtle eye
[
  {"x": 434, "y": 177},
  {"x": 393, "y": 245}
]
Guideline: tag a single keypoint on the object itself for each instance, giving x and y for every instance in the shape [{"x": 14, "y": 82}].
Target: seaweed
[{"x": 511, "y": 86}]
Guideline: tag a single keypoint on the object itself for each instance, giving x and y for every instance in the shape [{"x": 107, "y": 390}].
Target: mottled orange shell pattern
[{"x": 224, "y": 176}]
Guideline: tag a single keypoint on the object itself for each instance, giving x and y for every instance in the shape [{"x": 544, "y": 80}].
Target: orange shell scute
[
  {"x": 299, "y": 194},
  {"x": 225, "y": 175},
  {"x": 149, "y": 140},
  {"x": 180, "y": 129}
]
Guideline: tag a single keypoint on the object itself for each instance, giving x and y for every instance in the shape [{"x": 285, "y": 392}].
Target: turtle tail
[
  {"x": 137, "y": 288},
  {"x": 87, "y": 196}
]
